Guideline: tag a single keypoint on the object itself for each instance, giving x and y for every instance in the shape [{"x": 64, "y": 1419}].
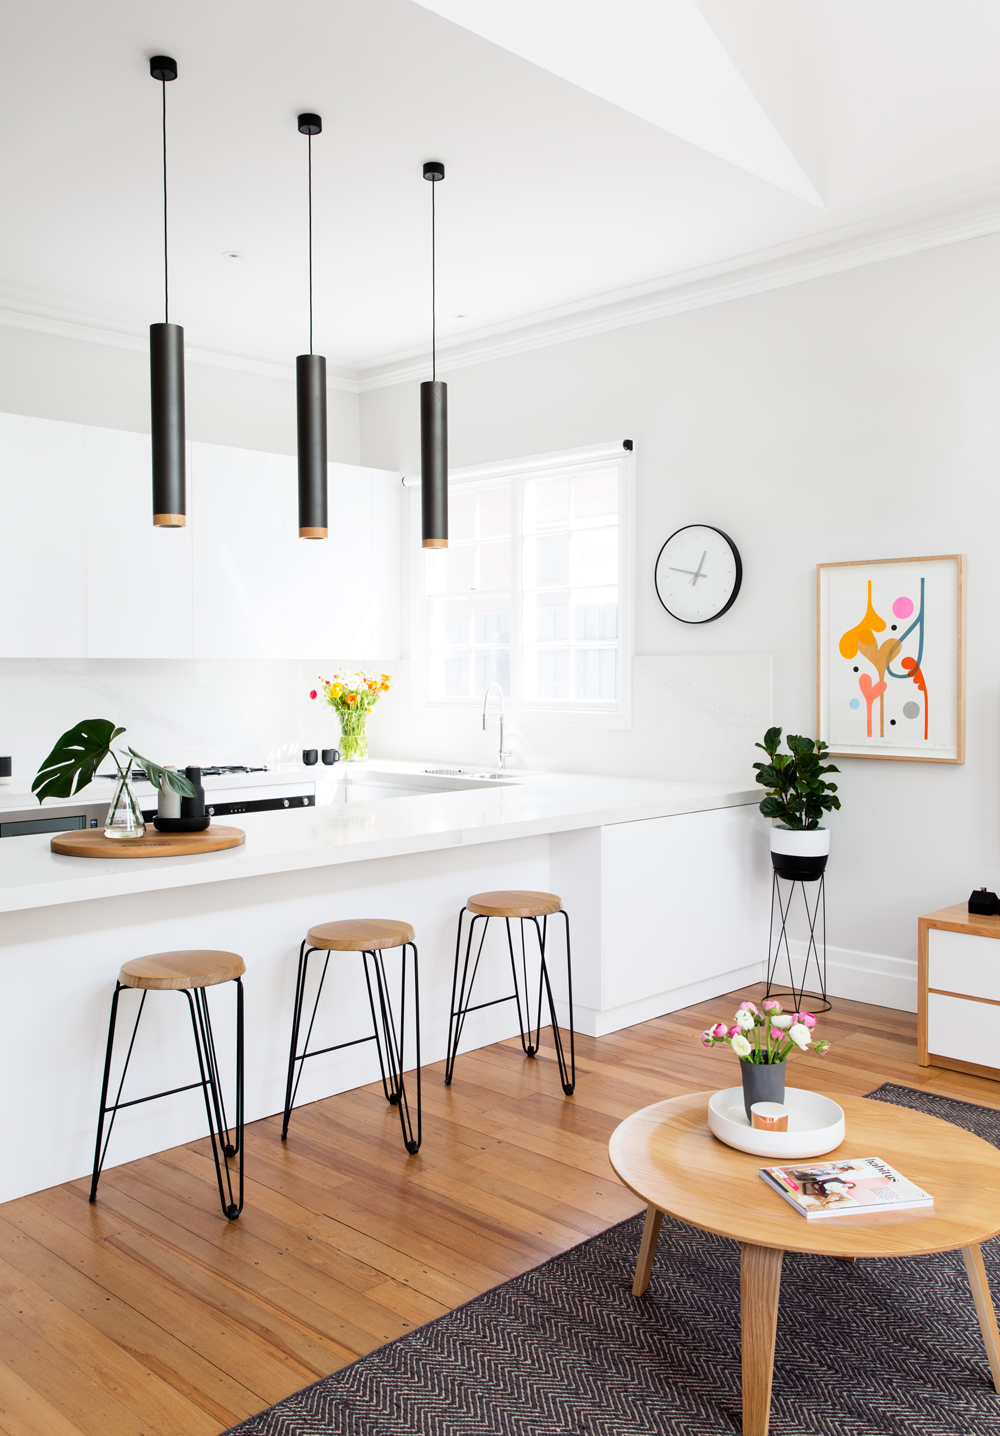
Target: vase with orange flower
[{"x": 352, "y": 697}]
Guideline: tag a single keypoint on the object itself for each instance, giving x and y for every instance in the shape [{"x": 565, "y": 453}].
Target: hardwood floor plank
[{"x": 24, "y": 1412}]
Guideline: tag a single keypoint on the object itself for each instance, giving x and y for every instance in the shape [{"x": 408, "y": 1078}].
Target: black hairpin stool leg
[{"x": 390, "y": 1039}]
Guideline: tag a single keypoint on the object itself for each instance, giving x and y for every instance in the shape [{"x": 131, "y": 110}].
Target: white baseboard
[
  {"x": 596, "y": 1023},
  {"x": 865, "y": 976}
]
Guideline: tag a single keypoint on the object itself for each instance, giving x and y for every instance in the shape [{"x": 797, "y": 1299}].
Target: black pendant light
[
  {"x": 434, "y": 412},
  {"x": 166, "y": 370},
  {"x": 310, "y": 395}
]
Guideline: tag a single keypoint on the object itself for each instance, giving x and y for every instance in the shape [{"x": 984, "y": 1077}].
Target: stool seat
[
  {"x": 360, "y": 935},
  {"x": 514, "y": 903},
  {"x": 172, "y": 971}
]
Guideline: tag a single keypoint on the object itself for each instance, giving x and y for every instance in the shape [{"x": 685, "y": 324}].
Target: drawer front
[
  {"x": 966, "y": 963},
  {"x": 966, "y": 1030}
]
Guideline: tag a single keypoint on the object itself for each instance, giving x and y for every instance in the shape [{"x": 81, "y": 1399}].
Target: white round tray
[{"x": 815, "y": 1125}]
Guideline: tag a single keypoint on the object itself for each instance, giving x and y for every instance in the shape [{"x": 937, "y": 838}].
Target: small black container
[
  {"x": 309, "y": 756},
  {"x": 193, "y": 818},
  {"x": 329, "y": 755},
  {"x": 5, "y": 769}
]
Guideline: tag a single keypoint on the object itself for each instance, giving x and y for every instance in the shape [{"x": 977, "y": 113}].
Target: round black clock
[{"x": 698, "y": 574}]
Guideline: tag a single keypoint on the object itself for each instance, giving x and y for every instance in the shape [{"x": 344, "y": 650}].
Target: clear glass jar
[
  {"x": 353, "y": 736},
  {"x": 124, "y": 818}
]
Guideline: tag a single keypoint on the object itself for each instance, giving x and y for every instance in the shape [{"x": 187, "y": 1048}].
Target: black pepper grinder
[{"x": 193, "y": 815}]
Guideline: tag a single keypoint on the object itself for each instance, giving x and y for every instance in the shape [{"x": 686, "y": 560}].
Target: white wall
[
  {"x": 55, "y": 378},
  {"x": 850, "y": 417}
]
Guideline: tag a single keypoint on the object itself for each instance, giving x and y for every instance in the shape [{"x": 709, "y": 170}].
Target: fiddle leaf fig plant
[
  {"x": 79, "y": 753},
  {"x": 797, "y": 791}
]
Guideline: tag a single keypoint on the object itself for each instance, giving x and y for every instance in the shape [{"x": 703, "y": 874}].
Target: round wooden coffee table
[{"x": 668, "y": 1157}]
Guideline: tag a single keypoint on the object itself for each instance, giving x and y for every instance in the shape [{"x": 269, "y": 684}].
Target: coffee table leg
[
  {"x": 976, "y": 1271},
  {"x": 760, "y": 1282},
  {"x": 647, "y": 1250}
]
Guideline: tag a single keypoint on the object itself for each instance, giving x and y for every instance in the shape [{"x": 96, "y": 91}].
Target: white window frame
[{"x": 536, "y": 711}]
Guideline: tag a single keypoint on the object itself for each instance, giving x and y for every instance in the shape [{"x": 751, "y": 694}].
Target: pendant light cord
[
  {"x": 166, "y": 284},
  {"x": 310, "y": 139},
  {"x": 433, "y": 281}
]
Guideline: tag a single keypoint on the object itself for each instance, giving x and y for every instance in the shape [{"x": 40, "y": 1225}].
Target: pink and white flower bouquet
[{"x": 765, "y": 1034}]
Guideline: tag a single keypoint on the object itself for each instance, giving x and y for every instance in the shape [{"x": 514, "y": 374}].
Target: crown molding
[
  {"x": 44, "y": 314},
  {"x": 971, "y": 216}
]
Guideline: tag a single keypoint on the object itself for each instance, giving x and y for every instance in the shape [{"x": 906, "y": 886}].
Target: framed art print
[{"x": 890, "y": 658}]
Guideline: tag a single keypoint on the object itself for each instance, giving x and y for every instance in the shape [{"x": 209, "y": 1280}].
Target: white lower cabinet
[
  {"x": 139, "y": 600},
  {"x": 42, "y": 574},
  {"x": 960, "y": 1029}
]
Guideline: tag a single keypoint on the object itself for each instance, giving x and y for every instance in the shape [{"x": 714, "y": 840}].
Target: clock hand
[
  {"x": 681, "y": 570},
  {"x": 698, "y": 573}
]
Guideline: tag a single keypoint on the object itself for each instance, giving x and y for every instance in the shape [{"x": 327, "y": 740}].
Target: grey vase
[{"x": 762, "y": 1082}]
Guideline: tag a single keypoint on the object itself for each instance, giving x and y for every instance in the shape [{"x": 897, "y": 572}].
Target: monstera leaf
[
  {"x": 75, "y": 759},
  {"x": 176, "y": 782}
]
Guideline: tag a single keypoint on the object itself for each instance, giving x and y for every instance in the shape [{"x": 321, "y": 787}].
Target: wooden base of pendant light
[
  {"x": 313, "y": 533},
  {"x": 169, "y": 521},
  {"x": 435, "y": 543}
]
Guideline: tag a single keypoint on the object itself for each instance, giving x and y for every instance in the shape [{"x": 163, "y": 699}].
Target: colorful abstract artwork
[{"x": 890, "y": 658}]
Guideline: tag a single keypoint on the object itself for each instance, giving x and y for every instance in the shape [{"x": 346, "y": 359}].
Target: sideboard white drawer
[
  {"x": 967, "y": 1030},
  {"x": 960, "y": 962}
]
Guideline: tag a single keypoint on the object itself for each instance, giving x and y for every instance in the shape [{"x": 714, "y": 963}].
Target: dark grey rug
[{"x": 871, "y": 1349}]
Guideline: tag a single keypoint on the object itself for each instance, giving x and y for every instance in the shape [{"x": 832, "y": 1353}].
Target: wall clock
[{"x": 698, "y": 574}]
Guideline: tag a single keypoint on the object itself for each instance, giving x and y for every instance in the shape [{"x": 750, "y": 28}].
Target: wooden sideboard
[{"x": 958, "y": 998}]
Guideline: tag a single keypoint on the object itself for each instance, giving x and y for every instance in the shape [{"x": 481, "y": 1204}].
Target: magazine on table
[{"x": 845, "y": 1188}]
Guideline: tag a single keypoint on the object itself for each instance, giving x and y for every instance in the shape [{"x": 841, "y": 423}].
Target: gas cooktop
[{"x": 217, "y": 771}]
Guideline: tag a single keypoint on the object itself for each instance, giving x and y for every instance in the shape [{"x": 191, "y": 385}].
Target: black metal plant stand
[{"x": 778, "y": 948}]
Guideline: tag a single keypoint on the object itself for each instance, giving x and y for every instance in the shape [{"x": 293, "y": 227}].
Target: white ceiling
[{"x": 593, "y": 147}]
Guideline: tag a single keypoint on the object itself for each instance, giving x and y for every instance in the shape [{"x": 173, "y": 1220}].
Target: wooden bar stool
[
  {"x": 527, "y": 907},
  {"x": 370, "y": 937},
  {"x": 190, "y": 973}
]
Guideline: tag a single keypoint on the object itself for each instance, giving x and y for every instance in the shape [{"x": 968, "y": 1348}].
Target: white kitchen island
[{"x": 666, "y": 884}]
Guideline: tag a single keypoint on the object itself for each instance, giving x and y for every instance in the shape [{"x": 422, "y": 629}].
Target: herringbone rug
[{"x": 873, "y": 1349}]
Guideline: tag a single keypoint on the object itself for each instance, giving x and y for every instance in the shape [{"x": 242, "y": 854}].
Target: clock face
[{"x": 698, "y": 574}]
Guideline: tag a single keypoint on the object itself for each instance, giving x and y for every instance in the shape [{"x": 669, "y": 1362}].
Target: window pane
[
  {"x": 551, "y": 673},
  {"x": 595, "y": 494},
  {"x": 596, "y": 674},
  {"x": 547, "y": 561},
  {"x": 494, "y": 513},
  {"x": 461, "y": 516},
  {"x": 494, "y": 565},
  {"x": 546, "y": 618},
  {"x": 492, "y": 666},
  {"x": 491, "y": 619},
  {"x": 594, "y": 556},
  {"x": 449, "y": 621},
  {"x": 546, "y": 501}
]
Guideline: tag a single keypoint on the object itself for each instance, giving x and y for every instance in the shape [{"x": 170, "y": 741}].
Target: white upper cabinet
[
  {"x": 343, "y": 591},
  {"x": 237, "y": 515},
  {"x": 42, "y": 583},
  {"x": 83, "y": 572},
  {"x": 138, "y": 577}
]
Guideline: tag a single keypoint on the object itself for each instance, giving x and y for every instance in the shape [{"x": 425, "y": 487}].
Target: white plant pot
[{"x": 800, "y": 856}]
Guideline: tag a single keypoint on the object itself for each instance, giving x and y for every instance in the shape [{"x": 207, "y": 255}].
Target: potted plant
[
  {"x": 797, "y": 797},
  {"x": 762, "y": 1039},
  {"x": 75, "y": 759}
]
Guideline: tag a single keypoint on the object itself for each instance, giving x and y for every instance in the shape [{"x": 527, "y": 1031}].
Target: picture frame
[{"x": 890, "y": 658}]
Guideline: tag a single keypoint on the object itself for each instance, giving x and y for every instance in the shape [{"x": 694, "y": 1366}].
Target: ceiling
[{"x": 594, "y": 148}]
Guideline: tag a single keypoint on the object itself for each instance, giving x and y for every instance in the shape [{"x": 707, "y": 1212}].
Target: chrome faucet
[{"x": 486, "y": 701}]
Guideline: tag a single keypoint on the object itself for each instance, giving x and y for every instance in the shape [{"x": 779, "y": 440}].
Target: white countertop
[{"x": 520, "y": 805}]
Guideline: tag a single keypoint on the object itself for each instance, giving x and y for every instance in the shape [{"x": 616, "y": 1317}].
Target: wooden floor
[{"x": 150, "y": 1315}]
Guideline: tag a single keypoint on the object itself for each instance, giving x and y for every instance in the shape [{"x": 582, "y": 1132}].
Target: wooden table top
[{"x": 668, "y": 1157}]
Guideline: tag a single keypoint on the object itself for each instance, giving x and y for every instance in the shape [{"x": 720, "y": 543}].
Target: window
[{"x": 531, "y": 591}]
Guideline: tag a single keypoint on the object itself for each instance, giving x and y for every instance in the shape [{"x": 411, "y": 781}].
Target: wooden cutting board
[{"x": 93, "y": 844}]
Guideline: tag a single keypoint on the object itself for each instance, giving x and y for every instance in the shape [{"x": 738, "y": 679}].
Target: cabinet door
[
  {"x": 239, "y": 560},
  {"x": 341, "y": 588},
  {"x": 138, "y": 576},
  {"x": 42, "y": 546}
]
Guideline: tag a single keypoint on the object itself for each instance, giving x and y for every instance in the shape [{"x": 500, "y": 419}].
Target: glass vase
[
  {"x": 762, "y": 1082},
  {"x": 353, "y": 737},
  {"x": 124, "y": 819}
]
